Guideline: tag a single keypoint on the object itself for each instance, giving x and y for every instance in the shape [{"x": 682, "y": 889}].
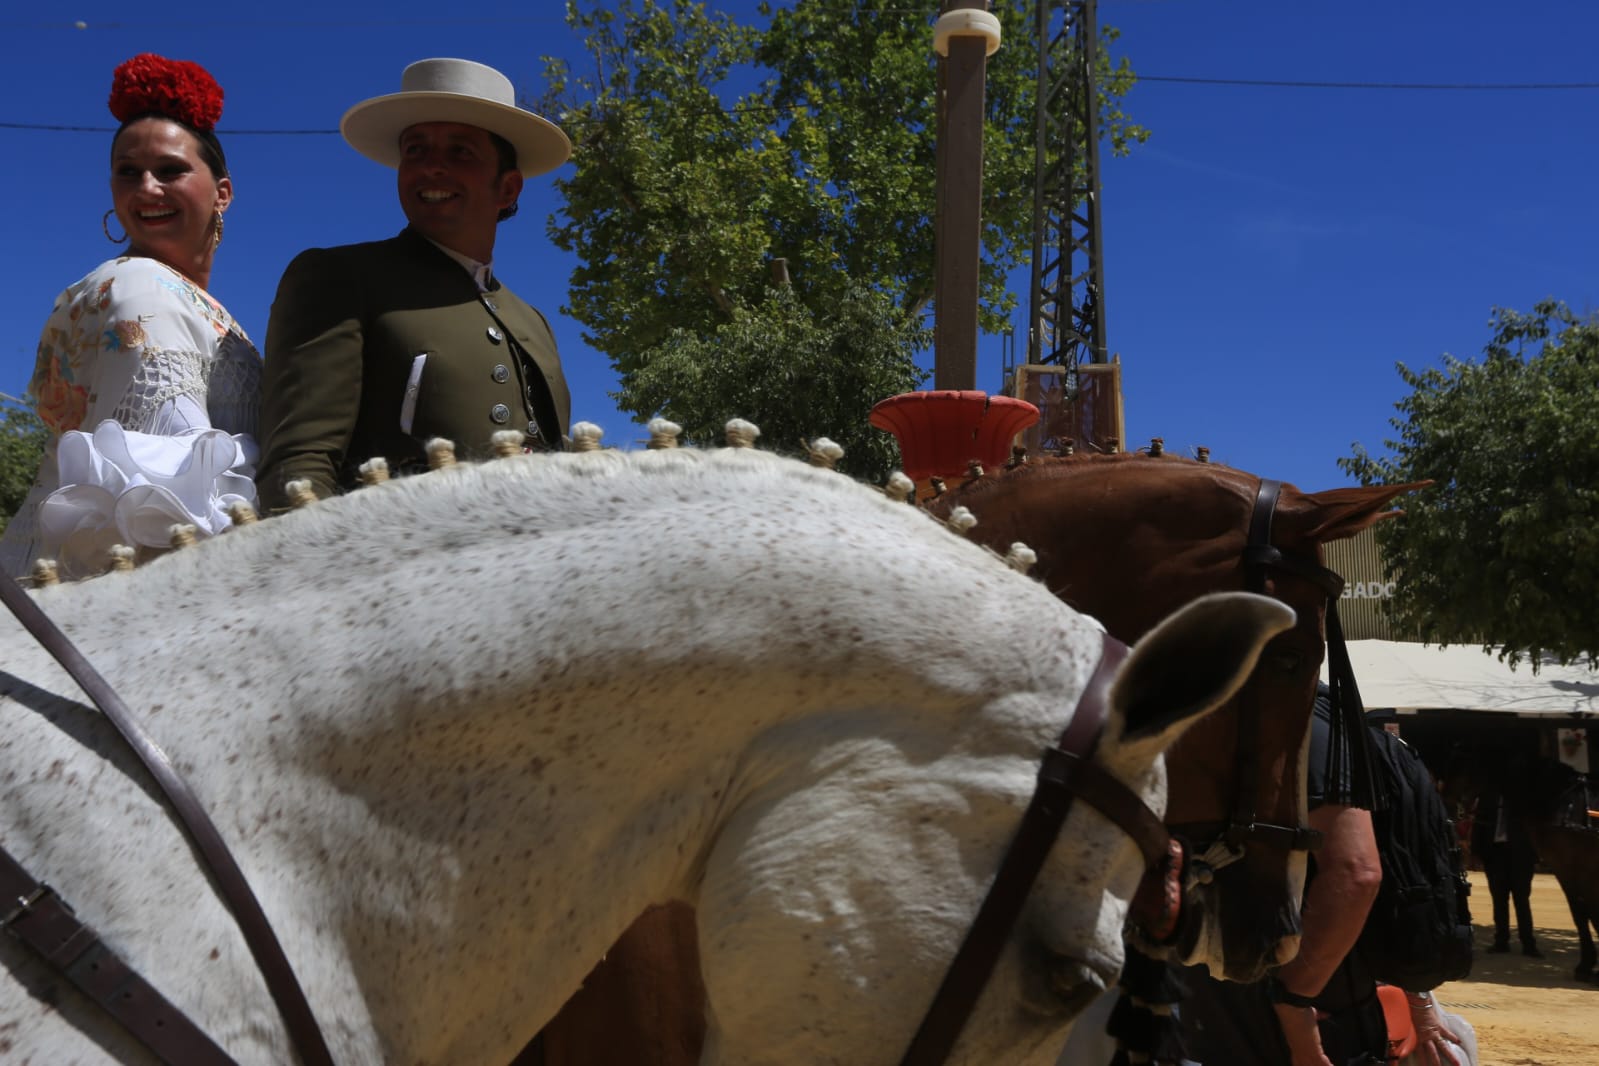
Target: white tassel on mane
[
  {"x": 586, "y": 437},
  {"x": 741, "y": 433},
  {"x": 961, "y": 520}
]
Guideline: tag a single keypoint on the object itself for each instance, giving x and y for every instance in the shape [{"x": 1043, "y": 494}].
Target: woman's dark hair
[{"x": 210, "y": 148}]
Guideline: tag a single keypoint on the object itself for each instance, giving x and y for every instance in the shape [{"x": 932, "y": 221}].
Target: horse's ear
[
  {"x": 1334, "y": 514},
  {"x": 1192, "y": 663}
]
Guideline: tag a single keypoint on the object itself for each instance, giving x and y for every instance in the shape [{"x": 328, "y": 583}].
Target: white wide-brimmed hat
[{"x": 454, "y": 90}]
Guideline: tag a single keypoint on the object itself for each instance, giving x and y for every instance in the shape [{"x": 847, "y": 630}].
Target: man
[
  {"x": 1501, "y": 840},
  {"x": 1324, "y": 1002},
  {"x": 1276, "y": 1022},
  {"x": 372, "y": 349}
]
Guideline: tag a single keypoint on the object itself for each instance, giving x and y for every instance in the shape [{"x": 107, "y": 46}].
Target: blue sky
[{"x": 1270, "y": 253}]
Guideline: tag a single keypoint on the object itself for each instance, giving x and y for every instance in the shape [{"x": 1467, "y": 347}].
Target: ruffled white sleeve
[{"x": 153, "y": 358}]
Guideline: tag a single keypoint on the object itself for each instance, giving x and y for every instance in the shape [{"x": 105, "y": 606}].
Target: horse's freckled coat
[{"x": 785, "y": 728}]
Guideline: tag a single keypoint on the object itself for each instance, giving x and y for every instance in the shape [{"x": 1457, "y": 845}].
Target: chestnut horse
[{"x": 1127, "y": 538}]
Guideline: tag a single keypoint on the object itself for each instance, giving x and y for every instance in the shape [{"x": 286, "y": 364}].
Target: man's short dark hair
[{"x": 507, "y": 158}]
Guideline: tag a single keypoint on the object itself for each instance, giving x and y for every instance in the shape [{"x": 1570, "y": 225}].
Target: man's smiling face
[{"x": 451, "y": 187}]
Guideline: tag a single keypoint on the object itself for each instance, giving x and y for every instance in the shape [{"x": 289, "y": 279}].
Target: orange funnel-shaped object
[{"x": 941, "y": 432}]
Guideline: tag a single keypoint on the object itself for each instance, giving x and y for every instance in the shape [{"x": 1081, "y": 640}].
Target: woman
[{"x": 148, "y": 386}]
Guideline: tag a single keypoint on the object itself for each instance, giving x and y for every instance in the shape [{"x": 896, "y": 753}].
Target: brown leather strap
[
  {"x": 1052, "y": 799},
  {"x": 1094, "y": 785},
  {"x": 213, "y": 853},
  {"x": 35, "y": 915}
]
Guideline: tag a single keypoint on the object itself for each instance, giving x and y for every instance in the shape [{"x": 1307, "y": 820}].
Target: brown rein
[{"x": 45, "y": 922}]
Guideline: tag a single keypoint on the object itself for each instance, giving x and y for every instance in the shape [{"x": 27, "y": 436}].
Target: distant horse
[
  {"x": 459, "y": 729},
  {"x": 1567, "y": 843},
  {"x": 1128, "y": 538}
]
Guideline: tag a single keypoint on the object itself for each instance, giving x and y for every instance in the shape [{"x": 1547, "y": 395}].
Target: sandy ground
[{"x": 1528, "y": 1012}]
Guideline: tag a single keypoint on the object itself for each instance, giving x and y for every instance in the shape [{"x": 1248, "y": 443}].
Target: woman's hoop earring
[
  {"x": 217, "y": 240},
  {"x": 105, "y": 225}
]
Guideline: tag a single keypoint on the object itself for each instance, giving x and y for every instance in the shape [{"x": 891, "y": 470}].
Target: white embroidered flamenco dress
[{"x": 152, "y": 392}]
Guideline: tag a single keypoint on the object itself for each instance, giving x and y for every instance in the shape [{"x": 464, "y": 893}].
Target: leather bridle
[
  {"x": 1215, "y": 844},
  {"x": 1169, "y": 860},
  {"x": 1067, "y": 773}
]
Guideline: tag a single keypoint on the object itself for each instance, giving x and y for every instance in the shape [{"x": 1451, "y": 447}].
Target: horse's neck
[{"x": 425, "y": 808}]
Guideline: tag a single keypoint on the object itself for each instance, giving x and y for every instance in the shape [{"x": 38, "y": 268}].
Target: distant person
[
  {"x": 148, "y": 387},
  {"x": 373, "y": 349},
  {"x": 1502, "y": 842}
]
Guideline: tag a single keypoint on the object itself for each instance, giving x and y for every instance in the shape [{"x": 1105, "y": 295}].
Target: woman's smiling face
[{"x": 166, "y": 196}]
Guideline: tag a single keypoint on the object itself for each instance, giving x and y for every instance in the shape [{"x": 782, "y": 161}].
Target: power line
[
  {"x": 1490, "y": 86},
  {"x": 298, "y": 24},
  {"x": 1483, "y": 86},
  {"x": 112, "y": 129}
]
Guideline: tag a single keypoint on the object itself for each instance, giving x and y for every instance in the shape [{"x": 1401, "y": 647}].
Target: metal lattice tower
[{"x": 1067, "y": 307}]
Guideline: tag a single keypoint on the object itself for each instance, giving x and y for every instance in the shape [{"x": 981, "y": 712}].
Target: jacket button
[
  {"x": 495, "y": 335},
  {"x": 490, "y": 304},
  {"x": 533, "y": 429},
  {"x": 500, "y": 413},
  {"x": 501, "y": 373}
]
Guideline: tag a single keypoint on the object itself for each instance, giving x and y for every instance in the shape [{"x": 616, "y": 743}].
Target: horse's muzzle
[{"x": 1074, "y": 984}]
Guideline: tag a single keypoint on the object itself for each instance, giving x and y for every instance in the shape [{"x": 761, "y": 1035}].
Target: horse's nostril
[{"x": 1075, "y": 983}]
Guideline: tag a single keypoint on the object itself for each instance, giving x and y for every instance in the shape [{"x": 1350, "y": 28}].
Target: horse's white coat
[{"x": 459, "y": 729}]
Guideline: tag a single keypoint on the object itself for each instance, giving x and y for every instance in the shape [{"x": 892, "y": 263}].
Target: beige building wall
[{"x": 1366, "y": 588}]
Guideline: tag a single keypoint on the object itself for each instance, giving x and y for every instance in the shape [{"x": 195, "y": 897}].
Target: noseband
[{"x": 1225, "y": 842}]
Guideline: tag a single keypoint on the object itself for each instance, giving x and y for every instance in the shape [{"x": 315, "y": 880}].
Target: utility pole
[
  {"x": 965, "y": 37},
  {"x": 1067, "y": 309}
]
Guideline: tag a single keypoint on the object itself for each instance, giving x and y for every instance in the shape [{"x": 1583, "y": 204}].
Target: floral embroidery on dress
[
  {"x": 62, "y": 404},
  {"x": 128, "y": 333}
]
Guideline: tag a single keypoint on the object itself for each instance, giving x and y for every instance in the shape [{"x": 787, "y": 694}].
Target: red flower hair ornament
[{"x": 151, "y": 84}]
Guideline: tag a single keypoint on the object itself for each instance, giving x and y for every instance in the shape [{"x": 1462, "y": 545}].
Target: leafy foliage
[
  {"x": 1504, "y": 548},
  {"x": 706, "y": 149},
  {"x": 22, "y": 441},
  {"x": 765, "y": 359}
]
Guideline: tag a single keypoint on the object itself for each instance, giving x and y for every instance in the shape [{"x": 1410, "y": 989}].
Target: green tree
[
  {"x": 763, "y": 359},
  {"x": 22, "y": 441},
  {"x": 1504, "y": 548},
  {"x": 706, "y": 148}
]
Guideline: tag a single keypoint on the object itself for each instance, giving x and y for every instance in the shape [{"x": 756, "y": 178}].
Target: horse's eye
[{"x": 1286, "y": 660}]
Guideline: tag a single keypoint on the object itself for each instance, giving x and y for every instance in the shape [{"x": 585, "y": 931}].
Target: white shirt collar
[{"x": 481, "y": 273}]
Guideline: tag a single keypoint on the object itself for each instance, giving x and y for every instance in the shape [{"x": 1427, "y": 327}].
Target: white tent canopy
[{"x": 1412, "y": 677}]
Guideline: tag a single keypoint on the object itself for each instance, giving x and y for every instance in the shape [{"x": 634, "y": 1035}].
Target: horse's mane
[
  {"x": 1054, "y": 468},
  {"x": 377, "y": 529}
]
